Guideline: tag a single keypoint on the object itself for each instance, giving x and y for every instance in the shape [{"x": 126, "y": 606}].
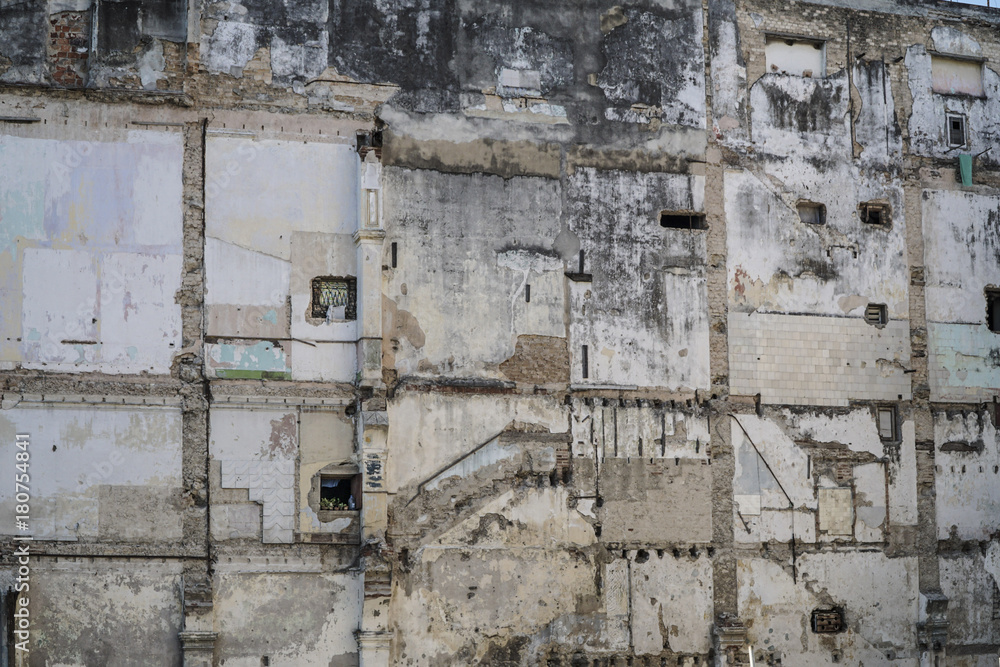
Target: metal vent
[
  {"x": 876, "y": 314},
  {"x": 827, "y": 620}
]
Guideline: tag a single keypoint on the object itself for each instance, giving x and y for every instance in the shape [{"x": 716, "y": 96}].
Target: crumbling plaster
[{"x": 516, "y": 511}]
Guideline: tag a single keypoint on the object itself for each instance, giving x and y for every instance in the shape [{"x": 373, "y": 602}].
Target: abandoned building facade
[{"x": 528, "y": 332}]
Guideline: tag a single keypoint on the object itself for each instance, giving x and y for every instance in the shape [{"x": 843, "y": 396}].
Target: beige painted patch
[
  {"x": 613, "y": 18},
  {"x": 139, "y": 514},
  {"x": 849, "y": 303},
  {"x": 247, "y": 321},
  {"x": 836, "y": 511}
]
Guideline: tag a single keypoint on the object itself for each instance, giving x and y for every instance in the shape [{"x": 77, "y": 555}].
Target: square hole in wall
[
  {"x": 811, "y": 213},
  {"x": 956, "y": 129},
  {"x": 682, "y": 220},
  {"x": 877, "y": 314},
  {"x": 874, "y": 213},
  {"x": 339, "y": 492},
  {"x": 993, "y": 309},
  {"x": 885, "y": 416},
  {"x": 334, "y": 298}
]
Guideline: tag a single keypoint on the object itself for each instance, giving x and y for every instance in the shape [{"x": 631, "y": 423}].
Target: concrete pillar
[
  {"x": 374, "y": 430},
  {"x": 369, "y": 240}
]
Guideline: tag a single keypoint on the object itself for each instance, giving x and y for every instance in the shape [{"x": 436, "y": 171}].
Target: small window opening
[
  {"x": 827, "y": 620},
  {"x": 584, "y": 360},
  {"x": 340, "y": 493},
  {"x": 956, "y": 130},
  {"x": 875, "y": 214},
  {"x": 811, "y": 213},
  {"x": 335, "y": 298},
  {"x": 527, "y": 293},
  {"x": 886, "y": 415},
  {"x": 393, "y": 247},
  {"x": 876, "y": 314},
  {"x": 993, "y": 310},
  {"x": 682, "y": 220}
]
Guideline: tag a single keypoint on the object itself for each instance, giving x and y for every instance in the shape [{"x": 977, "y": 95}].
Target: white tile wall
[
  {"x": 271, "y": 483},
  {"x": 812, "y": 360}
]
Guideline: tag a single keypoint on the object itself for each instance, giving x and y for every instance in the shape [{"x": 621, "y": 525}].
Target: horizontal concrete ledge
[
  {"x": 240, "y": 401},
  {"x": 12, "y": 400},
  {"x": 612, "y": 387}
]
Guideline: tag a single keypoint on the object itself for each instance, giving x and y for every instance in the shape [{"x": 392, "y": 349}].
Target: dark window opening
[
  {"x": 827, "y": 620},
  {"x": 340, "y": 493},
  {"x": 584, "y": 359},
  {"x": 527, "y": 293},
  {"x": 393, "y": 254},
  {"x": 812, "y": 213},
  {"x": 876, "y": 314},
  {"x": 886, "y": 421},
  {"x": 875, "y": 214},
  {"x": 956, "y": 130},
  {"x": 681, "y": 220},
  {"x": 335, "y": 298},
  {"x": 993, "y": 310}
]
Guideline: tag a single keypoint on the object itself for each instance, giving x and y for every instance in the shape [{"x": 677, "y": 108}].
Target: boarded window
[
  {"x": 812, "y": 213},
  {"x": 876, "y": 314},
  {"x": 952, "y": 76},
  {"x": 993, "y": 309},
  {"x": 887, "y": 422},
  {"x": 682, "y": 220},
  {"x": 956, "y": 130},
  {"x": 334, "y": 298},
  {"x": 799, "y": 57}
]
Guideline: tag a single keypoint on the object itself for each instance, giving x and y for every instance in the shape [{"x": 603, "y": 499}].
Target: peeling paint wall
[
  {"x": 267, "y": 238},
  {"x": 109, "y": 474},
  {"x": 91, "y": 253},
  {"x": 638, "y": 333}
]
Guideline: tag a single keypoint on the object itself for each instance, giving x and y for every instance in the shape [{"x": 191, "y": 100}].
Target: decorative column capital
[{"x": 369, "y": 236}]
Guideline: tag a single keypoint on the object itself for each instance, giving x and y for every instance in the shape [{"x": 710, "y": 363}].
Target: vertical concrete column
[
  {"x": 373, "y": 436},
  {"x": 369, "y": 240},
  {"x": 374, "y": 636},
  {"x": 198, "y": 637}
]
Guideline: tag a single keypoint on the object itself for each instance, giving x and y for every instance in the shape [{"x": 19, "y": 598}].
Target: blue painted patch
[{"x": 271, "y": 316}]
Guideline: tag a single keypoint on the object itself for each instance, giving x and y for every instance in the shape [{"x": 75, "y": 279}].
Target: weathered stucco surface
[{"x": 439, "y": 333}]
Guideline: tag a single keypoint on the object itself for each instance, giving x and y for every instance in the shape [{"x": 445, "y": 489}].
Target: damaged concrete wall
[
  {"x": 92, "y": 251},
  {"x": 436, "y": 333}
]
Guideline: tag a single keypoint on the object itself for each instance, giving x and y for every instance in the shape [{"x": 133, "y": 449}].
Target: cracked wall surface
[{"x": 629, "y": 333}]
